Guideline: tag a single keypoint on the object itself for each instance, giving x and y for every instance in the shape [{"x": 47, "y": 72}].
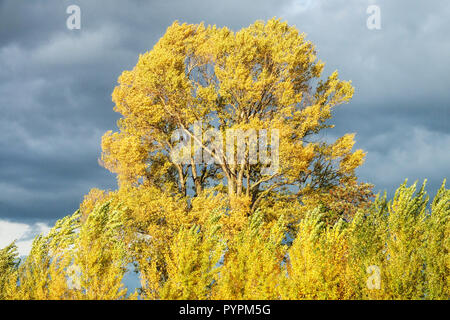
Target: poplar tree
[{"x": 263, "y": 77}]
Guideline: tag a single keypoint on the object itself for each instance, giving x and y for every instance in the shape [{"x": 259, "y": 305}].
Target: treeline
[{"x": 397, "y": 249}]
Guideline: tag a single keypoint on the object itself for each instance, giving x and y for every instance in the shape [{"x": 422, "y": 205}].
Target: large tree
[{"x": 263, "y": 77}]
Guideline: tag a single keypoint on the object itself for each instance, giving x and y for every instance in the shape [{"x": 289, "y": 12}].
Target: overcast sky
[{"x": 56, "y": 85}]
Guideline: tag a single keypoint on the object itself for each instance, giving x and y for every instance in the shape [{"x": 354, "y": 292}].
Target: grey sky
[{"x": 56, "y": 85}]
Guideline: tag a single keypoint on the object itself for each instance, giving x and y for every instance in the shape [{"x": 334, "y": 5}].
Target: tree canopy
[
  {"x": 263, "y": 77},
  {"x": 227, "y": 188}
]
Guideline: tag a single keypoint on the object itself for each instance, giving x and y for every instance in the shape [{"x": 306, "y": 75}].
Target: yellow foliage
[
  {"x": 313, "y": 257},
  {"x": 259, "y": 77},
  {"x": 231, "y": 231}
]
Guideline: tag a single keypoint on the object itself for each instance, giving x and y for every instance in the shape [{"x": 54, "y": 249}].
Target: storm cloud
[{"x": 56, "y": 85}]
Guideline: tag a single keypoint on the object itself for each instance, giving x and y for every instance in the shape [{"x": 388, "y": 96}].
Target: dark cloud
[{"x": 56, "y": 84}]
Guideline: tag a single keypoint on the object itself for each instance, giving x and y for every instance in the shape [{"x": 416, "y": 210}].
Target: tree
[
  {"x": 214, "y": 227},
  {"x": 9, "y": 263},
  {"x": 263, "y": 77},
  {"x": 405, "y": 239}
]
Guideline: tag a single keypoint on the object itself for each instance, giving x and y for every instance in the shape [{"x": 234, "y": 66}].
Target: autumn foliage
[{"x": 228, "y": 230}]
